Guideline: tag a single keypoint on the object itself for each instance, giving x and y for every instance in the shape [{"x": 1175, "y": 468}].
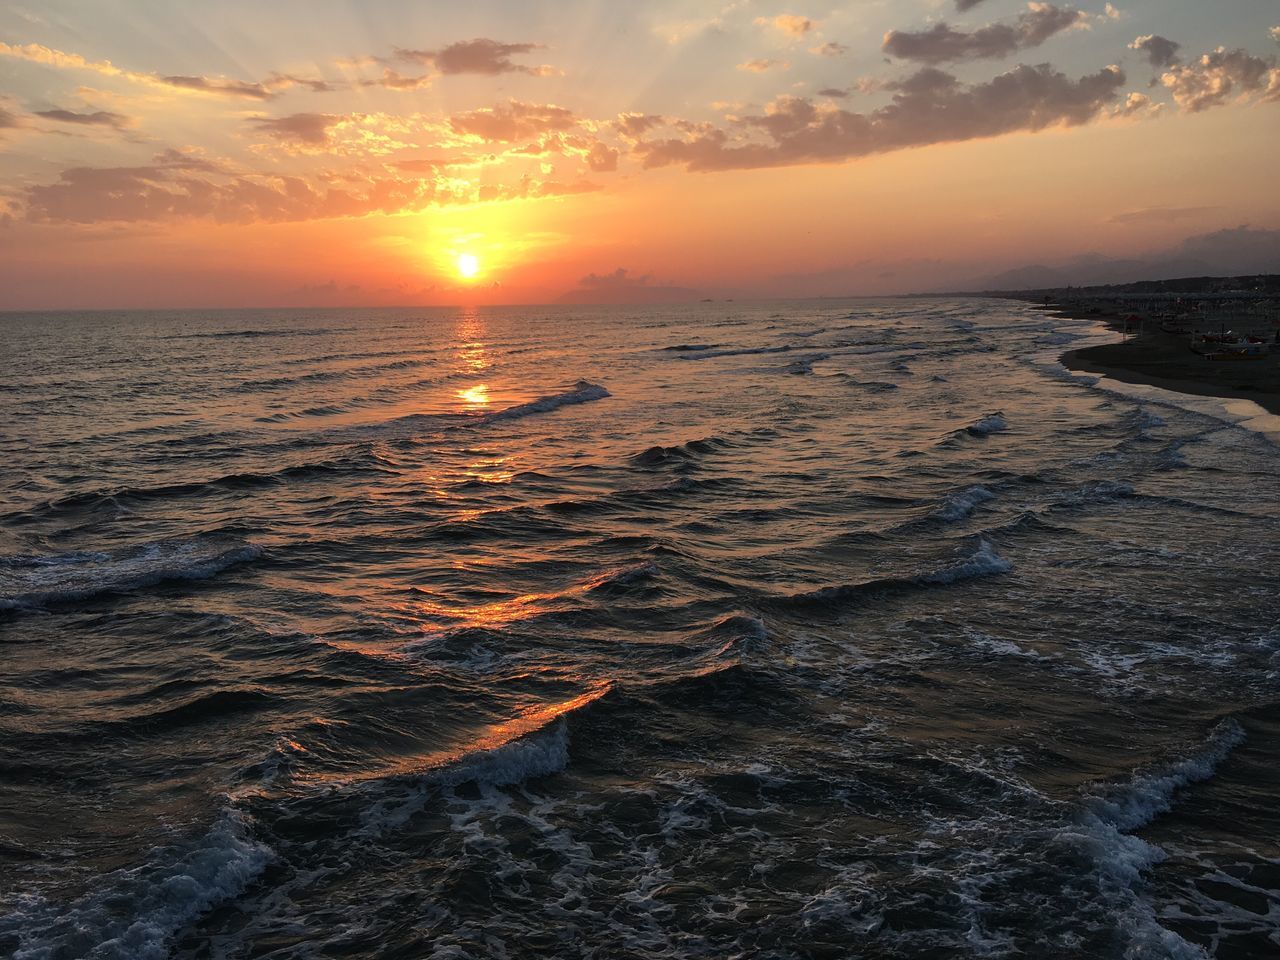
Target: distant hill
[{"x": 1265, "y": 285}]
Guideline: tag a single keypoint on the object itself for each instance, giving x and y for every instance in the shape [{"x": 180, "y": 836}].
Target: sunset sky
[{"x": 320, "y": 153}]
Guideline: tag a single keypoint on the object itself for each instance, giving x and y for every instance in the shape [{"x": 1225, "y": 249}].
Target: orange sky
[{"x": 242, "y": 156}]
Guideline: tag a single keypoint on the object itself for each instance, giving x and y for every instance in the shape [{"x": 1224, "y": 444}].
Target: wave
[
  {"x": 27, "y": 581},
  {"x": 583, "y": 392},
  {"x": 739, "y": 352},
  {"x": 133, "y": 914},
  {"x": 805, "y": 366},
  {"x": 993, "y": 423},
  {"x": 958, "y": 506},
  {"x": 1135, "y": 804},
  {"x": 249, "y": 480},
  {"x": 680, "y": 453},
  {"x": 534, "y": 744},
  {"x": 1103, "y": 830},
  {"x": 982, "y": 561},
  {"x": 690, "y": 347}
]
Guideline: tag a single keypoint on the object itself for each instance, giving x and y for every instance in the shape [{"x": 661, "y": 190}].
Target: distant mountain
[{"x": 1237, "y": 251}]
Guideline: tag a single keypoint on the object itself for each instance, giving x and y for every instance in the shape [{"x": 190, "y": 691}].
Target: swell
[{"x": 111, "y": 497}]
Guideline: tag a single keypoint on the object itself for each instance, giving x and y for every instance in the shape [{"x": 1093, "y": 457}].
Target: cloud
[
  {"x": 762, "y": 65},
  {"x": 928, "y": 107},
  {"x": 307, "y": 128},
  {"x": 636, "y": 125},
  {"x": 788, "y": 24},
  {"x": 393, "y": 80},
  {"x": 612, "y": 281},
  {"x": 1240, "y": 249},
  {"x": 482, "y": 56},
  {"x": 512, "y": 121},
  {"x": 963, "y": 5},
  {"x": 1159, "y": 214},
  {"x": 1136, "y": 106},
  {"x": 282, "y": 81},
  {"x": 942, "y": 43},
  {"x": 1221, "y": 76},
  {"x": 829, "y": 49},
  {"x": 214, "y": 86},
  {"x": 529, "y": 188},
  {"x": 602, "y": 158},
  {"x": 219, "y": 87},
  {"x": 1275, "y": 34},
  {"x": 99, "y": 118},
  {"x": 7, "y": 119},
  {"x": 177, "y": 186},
  {"x": 1159, "y": 51}
]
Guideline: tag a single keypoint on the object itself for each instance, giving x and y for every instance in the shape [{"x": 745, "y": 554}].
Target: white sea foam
[
  {"x": 582, "y": 392},
  {"x": 132, "y": 914},
  {"x": 38, "y": 581},
  {"x": 538, "y": 754},
  {"x": 957, "y": 506},
  {"x": 995, "y": 423},
  {"x": 1104, "y": 833},
  {"x": 983, "y": 562},
  {"x": 1141, "y": 800}
]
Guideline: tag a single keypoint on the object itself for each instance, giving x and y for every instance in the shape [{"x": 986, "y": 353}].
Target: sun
[{"x": 468, "y": 265}]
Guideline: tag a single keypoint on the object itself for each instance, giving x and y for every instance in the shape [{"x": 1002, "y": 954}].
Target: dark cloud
[
  {"x": 928, "y": 107},
  {"x": 99, "y": 118},
  {"x": 963, "y": 5},
  {"x": 1159, "y": 51},
  {"x": 942, "y": 43},
  {"x": 636, "y": 125},
  {"x": 610, "y": 281},
  {"x": 308, "y": 128},
  {"x": 1219, "y": 77},
  {"x": 488, "y": 57},
  {"x": 513, "y": 120},
  {"x": 833, "y": 92},
  {"x": 7, "y": 119},
  {"x": 1240, "y": 249}
]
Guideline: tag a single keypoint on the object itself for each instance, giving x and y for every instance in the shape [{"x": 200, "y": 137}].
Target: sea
[{"x": 816, "y": 629}]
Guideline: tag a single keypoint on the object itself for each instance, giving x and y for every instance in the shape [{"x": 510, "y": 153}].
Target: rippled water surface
[{"x": 838, "y": 629}]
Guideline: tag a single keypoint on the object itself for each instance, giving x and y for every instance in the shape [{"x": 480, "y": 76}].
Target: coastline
[{"x": 1165, "y": 361}]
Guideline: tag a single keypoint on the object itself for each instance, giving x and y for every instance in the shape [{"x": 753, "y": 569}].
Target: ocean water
[{"x": 824, "y": 629}]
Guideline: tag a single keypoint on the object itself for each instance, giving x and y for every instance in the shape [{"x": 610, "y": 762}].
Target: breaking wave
[{"x": 64, "y": 578}]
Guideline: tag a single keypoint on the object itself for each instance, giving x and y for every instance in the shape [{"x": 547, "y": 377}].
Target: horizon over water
[{"x": 796, "y": 629}]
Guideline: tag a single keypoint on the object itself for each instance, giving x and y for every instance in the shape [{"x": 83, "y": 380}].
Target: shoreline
[{"x": 1165, "y": 361}]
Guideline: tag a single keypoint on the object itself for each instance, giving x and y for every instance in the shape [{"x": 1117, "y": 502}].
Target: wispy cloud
[{"x": 214, "y": 86}]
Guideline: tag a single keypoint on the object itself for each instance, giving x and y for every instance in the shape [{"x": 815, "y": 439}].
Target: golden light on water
[{"x": 476, "y": 398}]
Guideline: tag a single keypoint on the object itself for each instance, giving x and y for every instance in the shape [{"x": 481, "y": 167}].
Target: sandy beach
[{"x": 1166, "y": 360}]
